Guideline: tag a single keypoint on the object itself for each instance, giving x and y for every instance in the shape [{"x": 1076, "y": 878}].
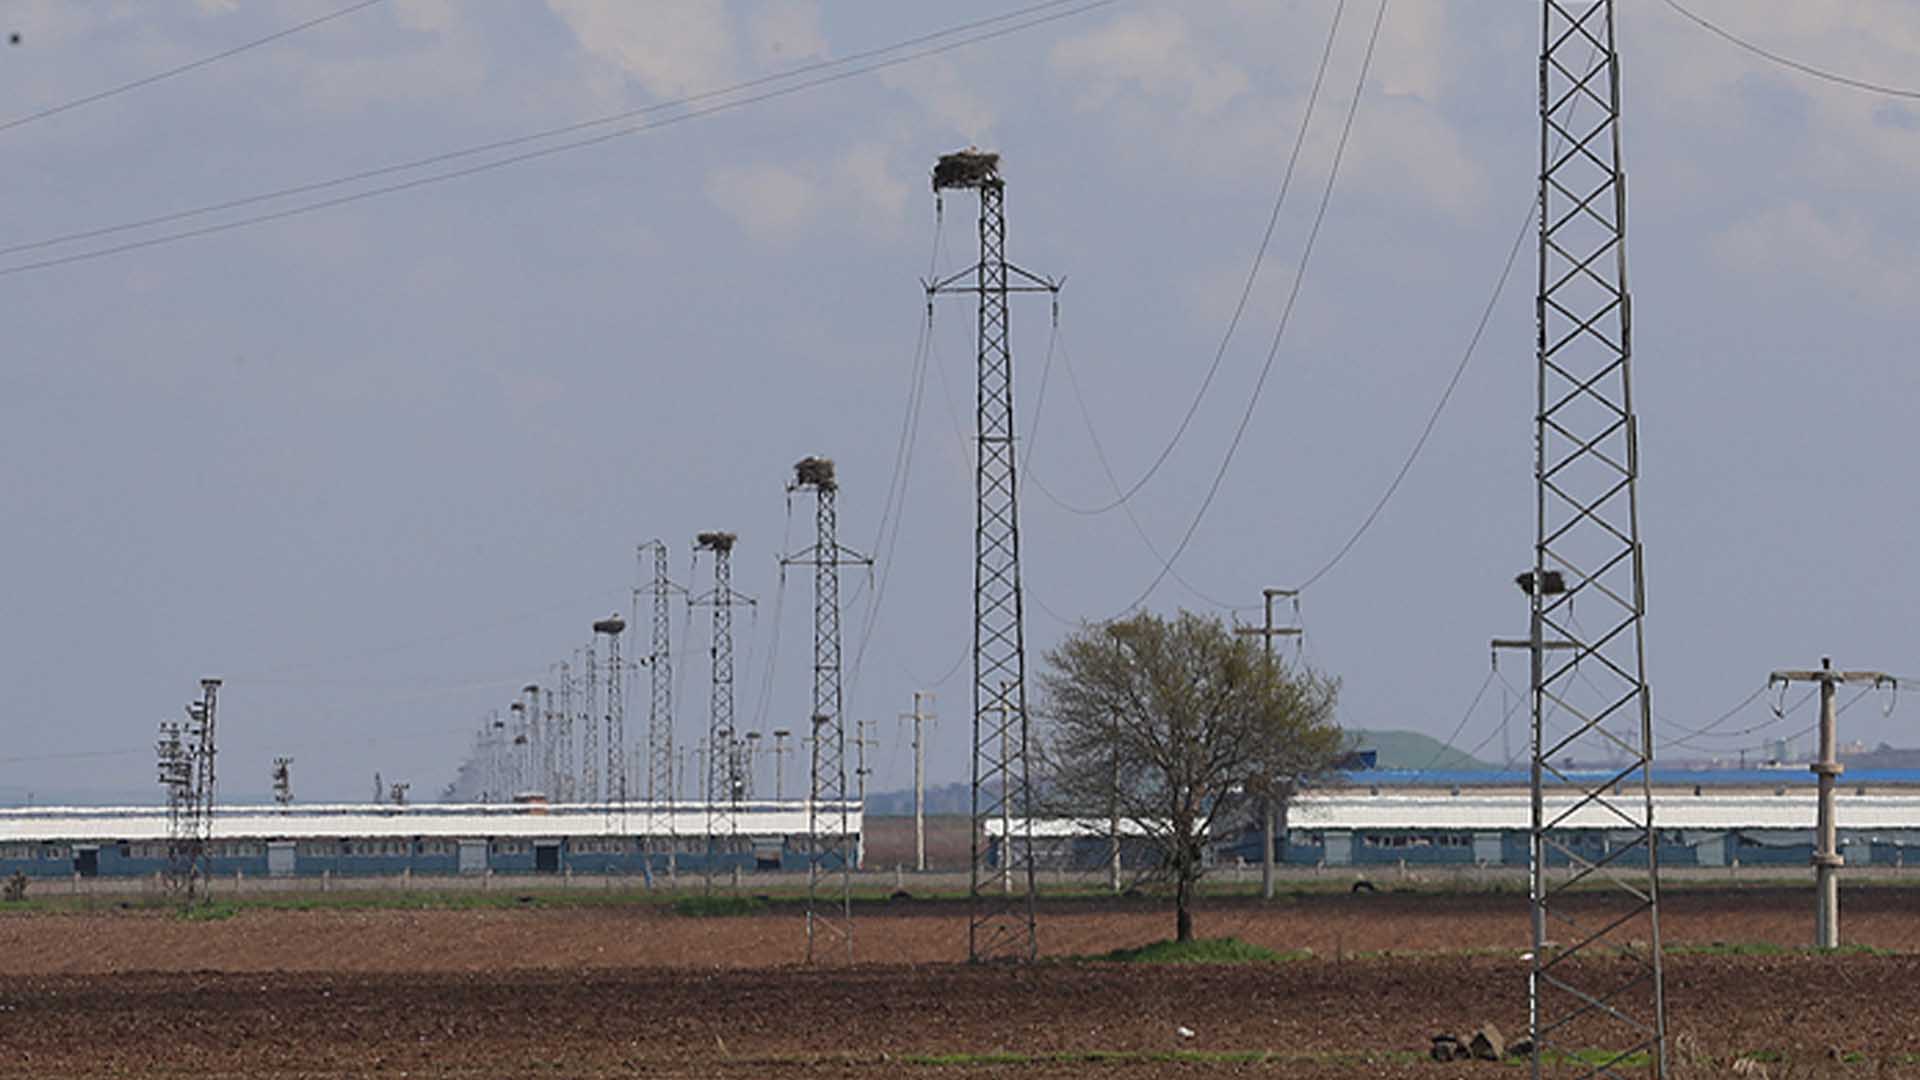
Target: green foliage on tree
[{"x": 1177, "y": 729}]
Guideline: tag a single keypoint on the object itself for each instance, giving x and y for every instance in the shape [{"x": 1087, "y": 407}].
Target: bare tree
[{"x": 1177, "y": 728}]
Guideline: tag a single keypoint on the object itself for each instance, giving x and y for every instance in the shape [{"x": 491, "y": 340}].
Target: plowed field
[{"x": 619, "y": 991}]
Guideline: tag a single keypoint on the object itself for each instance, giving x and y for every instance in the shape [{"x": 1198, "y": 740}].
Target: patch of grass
[
  {"x": 717, "y": 906},
  {"x": 213, "y": 911},
  {"x": 1639, "y": 1059},
  {"x": 1224, "y": 950}
]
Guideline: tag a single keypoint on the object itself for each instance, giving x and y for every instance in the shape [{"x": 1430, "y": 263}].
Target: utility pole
[
  {"x": 1827, "y": 768},
  {"x": 863, "y": 729},
  {"x": 828, "y": 791},
  {"x": 919, "y": 717},
  {"x": 780, "y": 737},
  {"x": 590, "y": 725},
  {"x": 661, "y": 824},
  {"x": 722, "y": 765},
  {"x": 997, "y": 928},
  {"x": 563, "y": 758},
  {"x": 1603, "y": 966},
  {"x": 1267, "y": 631},
  {"x": 611, "y": 628}
]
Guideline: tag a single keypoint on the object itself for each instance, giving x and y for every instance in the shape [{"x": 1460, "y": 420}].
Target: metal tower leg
[
  {"x": 1001, "y": 923},
  {"x": 1595, "y": 980}
]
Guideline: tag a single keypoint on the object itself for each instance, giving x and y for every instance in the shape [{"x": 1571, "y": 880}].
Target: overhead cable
[
  {"x": 158, "y": 76},
  {"x": 1789, "y": 62},
  {"x": 1433, "y": 418},
  {"x": 497, "y": 163},
  {"x": 1246, "y": 290},
  {"x": 1286, "y": 318}
]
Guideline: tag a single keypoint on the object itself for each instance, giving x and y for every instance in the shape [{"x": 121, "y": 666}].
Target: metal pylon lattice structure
[
  {"x": 1595, "y": 980},
  {"x": 563, "y": 736},
  {"x": 615, "y": 779},
  {"x": 661, "y": 793},
  {"x": 1001, "y": 917},
  {"x": 590, "y": 725},
  {"x": 723, "y": 781},
  {"x": 831, "y": 845}
]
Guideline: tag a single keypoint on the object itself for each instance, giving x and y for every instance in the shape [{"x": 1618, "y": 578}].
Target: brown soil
[
  {"x": 632, "y": 991},
  {"x": 903, "y": 932}
]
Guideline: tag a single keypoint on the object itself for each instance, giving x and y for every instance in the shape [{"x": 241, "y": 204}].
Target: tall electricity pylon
[
  {"x": 661, "y": 828},
  {"x": 1001, "y": 918},
  {"x": 616, "y": 720},
  {"x": 1595, "y": 974},
  {"x": 590, "y": 726},
  {"x": 834, "y": 847},
  {"x": 723, "y": 765},
  {"x": 563, "y": 739}
]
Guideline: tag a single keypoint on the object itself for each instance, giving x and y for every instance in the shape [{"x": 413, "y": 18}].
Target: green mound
[
  {"x": 1412, "y": 750},
  {"x": 1224, "y": 950}
]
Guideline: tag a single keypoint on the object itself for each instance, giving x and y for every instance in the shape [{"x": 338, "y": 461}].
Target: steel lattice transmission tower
[
  {"x": 723, "y": 780},
  {"x": 616, "y": 719},
  {"x": 1001, "y": 922},
  {"x": 661, "y": 826},
  {"x": 832, "y": 847},
  {"x": 1595, "y": 978},
  {"x": 563, "y": 740},
  {"x": 590, "y": 726}
]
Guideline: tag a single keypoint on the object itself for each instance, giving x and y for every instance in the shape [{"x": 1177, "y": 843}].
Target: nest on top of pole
[
  {"x": 969, "y": 168},
  {"x": 715, "y": 541},
  {"x": 814, "y": 472}
]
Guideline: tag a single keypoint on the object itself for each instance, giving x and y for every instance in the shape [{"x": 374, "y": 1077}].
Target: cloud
[
  {"x": 939, "y": 88},
  {"x": 669, "y": 49},
  {"x": 869, "y": 184},
  {"x": 771, "y": 202},
  {"x": 785, "y": 31},
  {"x": 1799, "y": 245},
  {"x": 857, "y": 191},
  {"x": 1154, "y": 54}
]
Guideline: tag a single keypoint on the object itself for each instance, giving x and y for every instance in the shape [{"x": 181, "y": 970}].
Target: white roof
[
  {"x": 1493, "y": 813},
  {"x": 380, "y": 821}
]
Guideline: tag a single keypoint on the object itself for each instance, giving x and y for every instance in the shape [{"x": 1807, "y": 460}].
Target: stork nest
[
  {"x": 967, "y": 168},
  {"x": 814, "y": 472},
  {"x": 715, "y": 541}
]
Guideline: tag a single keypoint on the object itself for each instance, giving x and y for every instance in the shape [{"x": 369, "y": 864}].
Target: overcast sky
[{"x": 380, "y": 464}]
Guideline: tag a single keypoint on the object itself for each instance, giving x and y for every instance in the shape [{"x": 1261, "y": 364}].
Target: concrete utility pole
[
  {"x": 919, "y": 718},
  {"x": 780, "y": 736},
  {"x": 1826, "y": 849},
  {"x": 1267, "y": 631}
]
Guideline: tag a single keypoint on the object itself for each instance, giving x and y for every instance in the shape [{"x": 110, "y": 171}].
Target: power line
[
  {"x": 1246, "y": 291},
  {"x": 1286, "y": 316},
  {"x": 1447, "y": 743},
  {"x": 513, "y": 159},
  {"x": 159, "y": 76},
  {"x": 1473, "y": 344},
  {"x": 1106, "y": 466},
  {"x": 1789, "y": 62}
]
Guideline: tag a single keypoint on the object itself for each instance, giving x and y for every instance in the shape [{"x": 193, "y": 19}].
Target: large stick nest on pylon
[
  {"x": 967, "y": 168},
  {"x": 814, "y": 472},
  {"x": 715, "y": 541}
]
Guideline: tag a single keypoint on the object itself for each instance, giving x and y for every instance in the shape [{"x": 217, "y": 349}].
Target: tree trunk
[{"x": 1183, "y": 902}]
